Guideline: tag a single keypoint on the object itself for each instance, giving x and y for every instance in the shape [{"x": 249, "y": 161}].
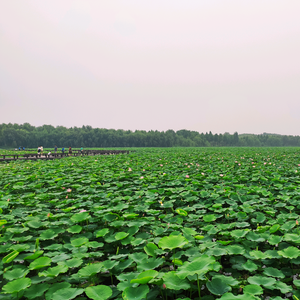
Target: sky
[{"x": 203, "y": 65}]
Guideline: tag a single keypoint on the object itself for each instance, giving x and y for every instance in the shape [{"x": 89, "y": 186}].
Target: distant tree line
[{"x": 15, "y": 135}]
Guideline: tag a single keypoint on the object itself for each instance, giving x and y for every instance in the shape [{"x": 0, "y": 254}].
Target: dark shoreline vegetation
[
  {"x": 164, "y": 223},
  {"x": 14, "y": 135}
]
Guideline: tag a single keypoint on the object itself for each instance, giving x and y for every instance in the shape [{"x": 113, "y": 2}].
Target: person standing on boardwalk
[
  {"x": 39, "y": 150},
  {"x": 81, "y": 150},
  {"x": 55, "y": 149},
  {"x": 63, "y": 150},
  {"x": 70, "y": 151}
]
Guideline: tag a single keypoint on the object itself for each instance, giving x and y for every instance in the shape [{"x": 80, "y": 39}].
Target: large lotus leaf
[
  {"x": 257, "y": 254},
  {"x": 273, "y": 272},
  {"x": 35, "y": 255},
  {"x": 216, "y": 252},
  {"x": 249, "y": 266},
  {"x": 150, "y": 248},
  {"x": 149, "y": 264},
  {"x": 218, "y": 287},
  {"x": 94, "y": 244},
  {"x": 35, "y": 224},
  {"x": 79, "y": 242},
  {"x": 10, "y": 257},
  {"x": 99, "y": 292},
  {"x": 135, "y": 293},
  {"x": 72, "y": 263},
  {"x": 172, "y": 241},
  {"x": 15, "y": 273},
  {"x": 255, "y": 237},
  {"x": 36, "y": 291},
  {"x": 173, "y": 282},
  {"x": 138, "y": 257},
  {"x": 109, "y": 264},
  {"x": 272, "y": 254},
  {"x": 297, "y": 283},
  {"x": 230, "y": 296},
  {"x": 145, "y": 277},
  {"x": 55, "y": 271},
  {"x": 200, "y": 266},
  {"x": 290, "y": 252},
  {"x": 90, "y": 270},
  {"x": 229, "y": 280},
  {"x": 283, "y": 287},
  {"x": 75, "y": 229},
  {"x": 274, "y": 239},
  {"x": 67, "y": 293},
  {"x": 79, "y": 217},
  {"x": 262, "y": 280},
  {"x": 16, "y": 286},
  {"x": 274, "y": 228},
  {"x": 239, "y": 233},
  {"x": 55, "y": 287},
  {"x": 40, "y": 263},
  {"x": 121, "y": 235},
  {"x": 235, "y": 249},
  {"x": 48, "y": 234},
  {"x": 209, "y": 218},
  {"x": 102, "y": 232},
  {"x": 137, "y": 242},
  {"x": 253, "y": 289}
]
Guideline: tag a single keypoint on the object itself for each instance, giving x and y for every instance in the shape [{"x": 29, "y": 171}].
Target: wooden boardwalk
[{"x": 45, "y": 156}]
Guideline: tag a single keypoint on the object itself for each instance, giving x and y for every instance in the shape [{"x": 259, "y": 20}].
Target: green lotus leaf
[
  {"x": 145, "y": 277},
  {"x": 283, "y": 287},
  {"x": 10, "y": 257},
  {"x": 209, "y": 218},
  {"x": 172, "y": 241},
  {"x": 79, "y": 217},
  {"x": 99, "y": 292},
  {"x": 138, "y": 257},
  {"x": 274, "y": 228},
  {"x": 200, "y": 266},
  {"x": 135, "y": 293},
  {"x": 249, "y": 266},
  {"x": 239, "y": 233},
  {"x": 253, "y": 289},
  {"x": 35, "y": 255},
  {"x": 67, "y": 293},
  {"x": 258, "y": 254},
  {"x": 229, "y": 280},
  {"x": 94, "y": 244},
  {"x": 262, "y": 280},
  {"x": 181, "y": 212},
  {"x": 273, "y": 272},
  {"x": 40, "y": 262},
  {"x": 130, "y": 216},
  {"x": 48, "y": 235},
  {"x": 149, "y": 264},
  {"x": 90, "y": 270},
  {"x": 189, "y": 231},
  {"x": 217, "y": 252},
  {"x": 35, "y": 224},
  {"x": 55, "y": 271},
  {"x": 218, "y": 287},
  {"x": 75, "y": 229},
  {"x": 15, "y": 273},
  {"x": 79, "y": 242},
  {"x": 137, "y": 242},
  {"x": 36, "y": 291},
  {"x": 55, "y": 287},
  {"x": 255, "y": 237},
  {"x": 173, "y": 282},
  {"x": 72, "y": 263},
  {"x": 16, "y": 286},
  {"x": 274, "y": 239},
  {"x": 102, "y": 232},
  {"x": 290, "y": 252},
  {"x": 150, "y": 248},
  {"x": 230, "y": 296},
  {"x": 235, "y": 249},
  {"x": 121, "y": 235}
]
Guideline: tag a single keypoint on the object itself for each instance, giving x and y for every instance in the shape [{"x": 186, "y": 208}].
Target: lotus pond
[{"x": 186, "y": 223}]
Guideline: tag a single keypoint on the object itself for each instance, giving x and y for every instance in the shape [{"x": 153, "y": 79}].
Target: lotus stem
[
  {"x": 111, "y": 278},
  {"x": 199, "y": 292}
]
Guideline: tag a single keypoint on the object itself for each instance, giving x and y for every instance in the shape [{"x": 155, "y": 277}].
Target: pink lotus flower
[
  {"x": 299, "y": 165},
  {"x": 202, "y": 173},
  {"x": 221, "y": 175},
  {"x": 187, "y": 176},
  {"x": 164, "y": 286},
  {"x": 129, "y": 170},
  {"x": 69, "y": 190},
  {"x": 67, "y": 197},
  {"x": 83, "y": 210},
  {"x": 239, "y": 164},
  {"x": 142, "y": 177},
  {"x": 164, "y": 173},
  {"x": 143, "y": 169},
  {"x": 63, "y": 188},
  {"x": 161, "y": 165}
]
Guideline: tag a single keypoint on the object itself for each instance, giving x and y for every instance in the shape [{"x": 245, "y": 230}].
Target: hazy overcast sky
[{"x": 204, "y": 65}]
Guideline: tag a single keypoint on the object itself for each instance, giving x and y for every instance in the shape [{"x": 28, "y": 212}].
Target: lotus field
[{"x": 181, "y": 223}]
